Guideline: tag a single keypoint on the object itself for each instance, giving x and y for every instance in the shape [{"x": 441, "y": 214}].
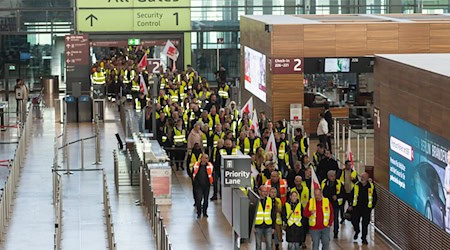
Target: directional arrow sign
[{"x": 91, "y": 17}]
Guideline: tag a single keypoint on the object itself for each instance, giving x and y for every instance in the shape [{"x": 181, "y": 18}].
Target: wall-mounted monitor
[
  {"x": 255, "y": 73},
  {"x": 334, "y": 65}
]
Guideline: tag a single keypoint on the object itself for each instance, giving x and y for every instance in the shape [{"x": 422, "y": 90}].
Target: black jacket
[{"x": 363, "y": 197}]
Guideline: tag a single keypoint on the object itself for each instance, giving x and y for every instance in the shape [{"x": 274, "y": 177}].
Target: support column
[{"x": 289, "y": 7}]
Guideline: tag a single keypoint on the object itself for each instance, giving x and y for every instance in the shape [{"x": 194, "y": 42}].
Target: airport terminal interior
[{"x": 223, "y": 124}]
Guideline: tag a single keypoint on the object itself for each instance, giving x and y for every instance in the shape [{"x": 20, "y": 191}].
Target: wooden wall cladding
[
  {"x": 413, "y": 37},
  {"x": 382, "y": 38},
  {"x": 439, "y": 37},
  {"x": 415, "y": 95},
  {"x": 319, "y": 40},
  {"x": 289, "y": 89},
  {"x": 311, "y": 117},
  {"x": 287, "y": 40},
  {"x": 351, "y": 39}
]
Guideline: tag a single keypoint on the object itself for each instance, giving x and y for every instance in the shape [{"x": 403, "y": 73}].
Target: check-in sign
[
  {"x": 286, "y": 65},
  {"x": 154, "y": 65}
]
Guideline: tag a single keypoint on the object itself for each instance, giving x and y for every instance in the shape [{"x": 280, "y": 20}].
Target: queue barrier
[
  {"x": 57, "y": 205},
  {"x": 108, "y": 217},
  {"x": 153, "y": 213},
  {"x": 7, "y": 196}
]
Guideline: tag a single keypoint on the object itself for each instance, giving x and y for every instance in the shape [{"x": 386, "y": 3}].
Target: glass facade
[{"x": 31, "y": 32}]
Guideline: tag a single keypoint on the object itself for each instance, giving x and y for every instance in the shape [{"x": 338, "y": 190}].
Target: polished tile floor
[{"x": 32, "y": 221}]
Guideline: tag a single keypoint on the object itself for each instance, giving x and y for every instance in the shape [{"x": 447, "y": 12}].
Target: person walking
[
  {"x": 292, "y": 217},
  {"x": 329, "y": 118},
  {"x": 265, "y": 219},
  {"x": 203, "y": 180},
  {"x": 348, "y": 179},
  {"x": 332, "y": 189},
  {"x": 322, "y": 129},
  {"x": 320, "y": 213},
  {"x": 364, "y": 200}
]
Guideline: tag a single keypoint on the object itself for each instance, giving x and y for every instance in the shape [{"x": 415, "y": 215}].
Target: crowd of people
[{"x": 198, "y": 124}]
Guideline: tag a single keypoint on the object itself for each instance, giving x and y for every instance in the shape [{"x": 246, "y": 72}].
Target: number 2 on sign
[
  {"x": 298, "y": 64},
  {"x": 176, "y": 18}
]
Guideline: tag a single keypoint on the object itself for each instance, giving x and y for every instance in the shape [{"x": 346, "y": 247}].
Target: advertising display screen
[
  {"x": 420, "y": 170},
  {"x": 255, "y": 73},
  {"x": 333, "y": 65}
]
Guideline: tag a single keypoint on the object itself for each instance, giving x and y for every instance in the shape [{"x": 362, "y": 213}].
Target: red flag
[
  {"x": 143, "y": 63},
  {"x": 248, "y": 108},
  {"x": 272, "y": 146},
  {"x": 171, "y": 51},
  {"x": 315, "y": 184}
]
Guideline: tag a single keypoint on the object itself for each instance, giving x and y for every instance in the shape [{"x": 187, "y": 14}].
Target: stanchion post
[
  {"x": 365, "y": 151},
  {"x": 357, "y": 151},
  {"x": 335, "y": 143},
  {"x": 97, "y": 143},
  {"x": 82, "y": 153}
]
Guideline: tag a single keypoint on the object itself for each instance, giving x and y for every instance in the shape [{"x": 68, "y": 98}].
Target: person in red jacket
[{"x": 320, "y": 213}]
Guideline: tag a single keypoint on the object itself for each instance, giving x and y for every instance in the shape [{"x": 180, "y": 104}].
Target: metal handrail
[
  {"x": 7, "y": 195},
  {"x": 108, "y": 217},
  {"x": 153, "y": 213}
]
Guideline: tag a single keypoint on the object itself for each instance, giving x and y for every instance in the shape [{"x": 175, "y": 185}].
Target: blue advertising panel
[{"x": 420, "y": 170}]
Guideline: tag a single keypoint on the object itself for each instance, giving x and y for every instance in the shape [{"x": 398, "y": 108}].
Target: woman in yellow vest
[
  {"x": 278, "y": 237},
  {"x": 292, "y": 217}
]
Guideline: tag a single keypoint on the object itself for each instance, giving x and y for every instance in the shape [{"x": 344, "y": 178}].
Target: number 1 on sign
[{"x": 176, "y": 18}]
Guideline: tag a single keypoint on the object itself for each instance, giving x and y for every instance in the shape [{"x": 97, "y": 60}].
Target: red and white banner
[
  {"x": 315, "y": 184},
  {"x": 255, "y": 124},
  {"x": 143, "y": 63},
  {"x": 272, "y": 146},
  {"x": 143, "y": 86},
  {"x": 247, "y": 108},
  {"x": 170, "y": 51}
]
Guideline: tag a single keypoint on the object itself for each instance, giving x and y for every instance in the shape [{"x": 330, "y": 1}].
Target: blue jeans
[
  {"x": 294, "y": 245},
  {"x": 267, "y": 234},
  {"x": 318, "y": 236}
]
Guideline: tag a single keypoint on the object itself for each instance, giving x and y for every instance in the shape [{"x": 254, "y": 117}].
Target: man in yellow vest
[
  {"x": 252, "y": 142},
  {"x": 348, "y": 179},
  {"x": 224, "y": 93},
  {"x": 98, "y": 79},
  {"x": 265, "y": 219},
  {"x": 364, "y": 200},
  {"x": 180, "y": 141},
  {"x": 332, "y": 189},
  {"x": 282, "y": 148},
  {"x": 320, "y": 213}
]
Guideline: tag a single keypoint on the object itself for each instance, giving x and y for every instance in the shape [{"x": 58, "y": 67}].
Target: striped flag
[{"x": 315, "y": 184}]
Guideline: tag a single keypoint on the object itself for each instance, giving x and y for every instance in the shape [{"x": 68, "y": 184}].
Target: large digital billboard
[
  {"x": 255, "y": 73},
  {"x": 420, "y": 170}
]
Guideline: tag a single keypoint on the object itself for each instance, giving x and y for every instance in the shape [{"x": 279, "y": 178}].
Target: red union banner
[{"x": 286, "y": 65}]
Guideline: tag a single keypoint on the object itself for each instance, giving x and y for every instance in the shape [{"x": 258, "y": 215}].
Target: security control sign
[
  {"x": 236, "y": 171},
  {"x": 133, "y": 15},
  {"x": 286, "y": 65}
]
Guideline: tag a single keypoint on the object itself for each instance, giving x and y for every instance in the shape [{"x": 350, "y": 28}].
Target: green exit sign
[{"x": 134, "y": 41}]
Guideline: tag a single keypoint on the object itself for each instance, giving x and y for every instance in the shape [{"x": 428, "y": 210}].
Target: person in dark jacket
[
  {"x": 332, "y": 189},
  {"x": 329, "y": 119},
  {"x": 292, "y": 217},
  {"x": 364, "y": 200},
  {"x": 326, "y": 165}
]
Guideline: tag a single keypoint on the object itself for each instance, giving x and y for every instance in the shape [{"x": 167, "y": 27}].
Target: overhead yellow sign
[
  {"x": 159, "y": 19},
  {"x": 132, "y": 3}
]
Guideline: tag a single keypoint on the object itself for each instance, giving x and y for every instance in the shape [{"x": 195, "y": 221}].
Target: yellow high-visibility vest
[
  {"x": 325, "y": 208},
  {"x": 263, "y": 215},
  {"x": 179, "y": 136},
  {"x": 278, "y": 220},
  {"x": 338, "y": 189},
  {"x": 134, "y": 86},
  {"x": 256, "y": 144},
  {"x": 98, "y": 78},
  {"x": 302, "y": 146},
  {"x": 223, "y": 92},
  {"x": 174, "y": 96},
  {"x": 304, "y": 195},
  {"x": 223, "y": 151},
  {"x": 282, "y": 150},
  {"x": 138, "y": 105},
  {"x": 356, "y": 195},
  {"x": 295, "y": 217}
]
